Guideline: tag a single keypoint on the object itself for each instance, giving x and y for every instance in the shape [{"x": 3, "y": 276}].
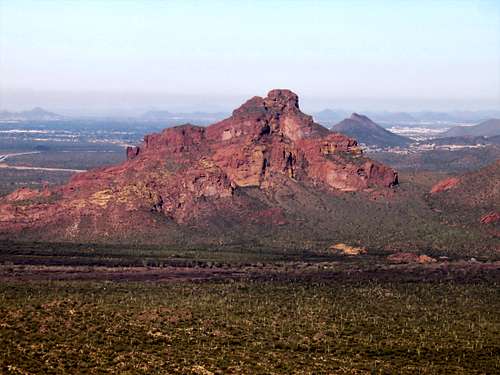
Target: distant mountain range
[
  {"x": 36, "y": 114},
  {"x": 329, "y": 116},
  {"x": 487, "y": 128},
  {"x": 368, "y": 132},
  {"x": 198, "y": 117},
  {"x": 464, "y": 141}
]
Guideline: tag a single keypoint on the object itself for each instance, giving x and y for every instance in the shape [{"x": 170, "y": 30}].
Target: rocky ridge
[{"x": 188, "y": 175}]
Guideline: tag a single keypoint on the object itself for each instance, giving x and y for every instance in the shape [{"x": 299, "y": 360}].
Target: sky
[{"x": 124, "y": 57}]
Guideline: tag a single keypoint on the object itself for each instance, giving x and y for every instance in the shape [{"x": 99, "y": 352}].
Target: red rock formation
[
  {"x": 399, "y": 258},
  {"x": 187, "y": 173},
  {"x": 445, "y": 184},
  {"x": 492, "y": 217}
]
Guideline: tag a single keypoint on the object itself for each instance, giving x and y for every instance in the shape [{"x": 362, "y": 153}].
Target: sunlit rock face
[{"x": 187, "y": 173}]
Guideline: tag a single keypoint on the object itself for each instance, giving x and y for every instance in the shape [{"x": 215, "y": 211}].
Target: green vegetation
[
  {"x": 249, "y": 327},
  {"x": 456, "y": 161},
  {"x": 54, "y": 197},
  {"x": 256, "y": 297},
  {"x": 71, "y": 159},
  {"x": 11, "y": 179}
]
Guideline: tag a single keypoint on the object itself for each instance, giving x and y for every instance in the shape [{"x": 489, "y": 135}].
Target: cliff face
[{"x": 188, "y": 174}]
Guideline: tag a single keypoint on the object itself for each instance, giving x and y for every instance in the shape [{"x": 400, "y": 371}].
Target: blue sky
[{"x": 209, "y": 55}]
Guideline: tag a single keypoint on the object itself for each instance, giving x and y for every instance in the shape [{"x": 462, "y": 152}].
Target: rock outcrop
[
  {"x": 343, "y": 249},
  {"x": 446, "y": 184},
  {"x": 492, "y": 217},
  {"x": 400, "y": 258},
  {"x": 471, "y": 199},
  {"x": 187, "y": 174}
]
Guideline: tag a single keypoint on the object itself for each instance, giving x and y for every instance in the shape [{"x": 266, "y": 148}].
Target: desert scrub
[
  {"x": 52, "y": 198},
  {"x": 249, "y": 327}
]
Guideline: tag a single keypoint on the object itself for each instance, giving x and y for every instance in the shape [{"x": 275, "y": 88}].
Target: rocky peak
[
  {"x": 361, "y": 118},
  {"x": 277, "y": 101},
  {"x": 276, "y": 114},
  {"x": 178, "y": 139},
  {"x": 282, "y": 100},
  {"x": 191, "y": 174},
  {"x": 252, "y": 108}
]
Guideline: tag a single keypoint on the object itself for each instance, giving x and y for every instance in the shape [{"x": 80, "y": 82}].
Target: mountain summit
[
  {"x": 368, "y": 132},
  {"x": 264, "y": 164}
]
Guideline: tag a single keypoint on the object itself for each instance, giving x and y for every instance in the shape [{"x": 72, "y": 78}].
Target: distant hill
[
  {"x": 384, "y": 118},
  {"x": 366, "y": 131},
  {"x": 460, "y": 160},
  {"x": 330, "y": 116},
  {"x": 495, "y": 140},
  {"x": 434, "y": 116},
  {"x": 488, "y": 128},
  {"x": 157, "y": 116},
  {"x": 36, "y": 114},
  {"x": 392, "y": 117},
  {"x": 460, "y": 141}
]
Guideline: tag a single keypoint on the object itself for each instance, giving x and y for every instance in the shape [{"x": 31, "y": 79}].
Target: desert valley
[
  {"x": 266, "y": 198},
  {"x": 221, "y": 187}
]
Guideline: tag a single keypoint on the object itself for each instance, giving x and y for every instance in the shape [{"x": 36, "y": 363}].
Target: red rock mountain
[{"x": 248, "y": 167}]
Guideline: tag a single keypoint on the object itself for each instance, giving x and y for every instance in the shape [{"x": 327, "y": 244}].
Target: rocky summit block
[{"x": 187, "y": 175}]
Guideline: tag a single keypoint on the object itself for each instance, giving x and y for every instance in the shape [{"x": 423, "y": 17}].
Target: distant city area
[
  {"x": 36, "y": 142},
  {"x": 417, "y": 131}
]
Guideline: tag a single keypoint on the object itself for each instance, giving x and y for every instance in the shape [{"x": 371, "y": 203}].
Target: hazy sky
[{"x": 108, "y": 56}]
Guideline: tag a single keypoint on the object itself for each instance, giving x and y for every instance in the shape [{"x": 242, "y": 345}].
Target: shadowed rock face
[
  {"x": 368, "y": 132},
  {"x": 189, "y": 174}
]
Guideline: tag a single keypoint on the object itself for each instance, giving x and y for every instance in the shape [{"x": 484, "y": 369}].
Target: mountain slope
[
  {"x": 267, "y": 165},
  {"x": 488, "y": 128},
  {"x": 366, "y": 131},
  {"x": 472, "y": 196},
  {"x": 330, "y": 116}
]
